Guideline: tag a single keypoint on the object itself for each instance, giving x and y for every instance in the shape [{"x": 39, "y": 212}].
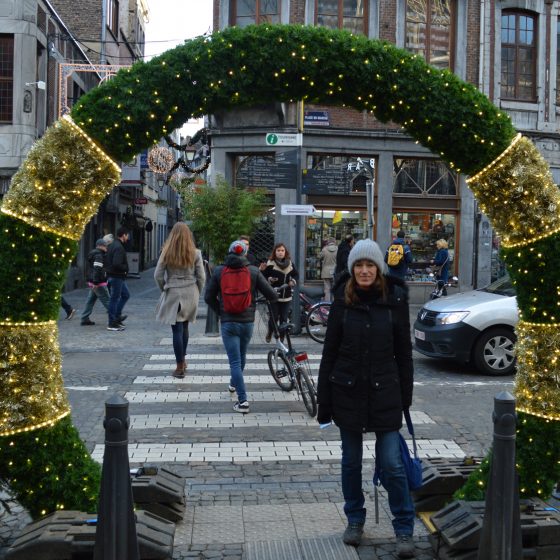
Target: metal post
[
  {"x": 115, "y": 537},
  {"x": 212, "y": 327},
  {"x": 296, "y": 310},
  {"x": 501, "y": 530}
]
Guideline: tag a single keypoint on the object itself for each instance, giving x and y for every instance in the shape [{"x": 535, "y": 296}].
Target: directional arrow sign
[{"x": 297, "y": 209}]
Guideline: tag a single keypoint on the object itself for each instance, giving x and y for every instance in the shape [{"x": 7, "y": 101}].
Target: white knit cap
[{"x": 368, "y": 250}]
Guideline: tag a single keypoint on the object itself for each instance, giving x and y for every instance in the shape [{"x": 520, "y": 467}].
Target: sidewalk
[{"x": 278, "y": 506}]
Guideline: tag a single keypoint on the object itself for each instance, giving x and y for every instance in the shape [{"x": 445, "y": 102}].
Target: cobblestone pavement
[{"x": 261, "y": 486}]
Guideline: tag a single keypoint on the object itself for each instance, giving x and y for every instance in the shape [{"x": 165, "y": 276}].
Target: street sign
[
  {"x": 141, "y": 200},
  {"x": 273, "y": 139},
  {"x": 297, "y": 209}
]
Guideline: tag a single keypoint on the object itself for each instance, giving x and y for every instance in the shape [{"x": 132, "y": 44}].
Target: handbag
[{"x": 412, "y": 465}]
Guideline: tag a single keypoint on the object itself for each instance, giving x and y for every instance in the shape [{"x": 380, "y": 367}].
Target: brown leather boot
[{"x": 179, "y": 370}]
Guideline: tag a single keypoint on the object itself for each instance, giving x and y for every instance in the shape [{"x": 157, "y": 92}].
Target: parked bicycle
[
  {"x": 288, "y": 367},
  {"x": 314, "y": 314}
]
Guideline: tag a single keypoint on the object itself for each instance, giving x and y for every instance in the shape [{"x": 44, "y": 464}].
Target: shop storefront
[{"x": 422, "y": 230}]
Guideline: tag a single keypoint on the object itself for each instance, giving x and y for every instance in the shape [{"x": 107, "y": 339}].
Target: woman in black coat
[
  {"x": 280, "y": 271},
  {"x": 365, "y": 382}
]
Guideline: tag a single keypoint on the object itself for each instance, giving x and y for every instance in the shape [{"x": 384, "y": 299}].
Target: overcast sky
[{"x": 171, "y": 23}]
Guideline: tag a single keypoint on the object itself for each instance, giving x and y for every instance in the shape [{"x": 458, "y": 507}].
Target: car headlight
[{"x": 451, "y": 317}]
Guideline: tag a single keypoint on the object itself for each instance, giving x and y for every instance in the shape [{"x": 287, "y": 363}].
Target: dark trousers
[
  {"x": 180, "y": 340},
  {"x": 281, "y": 311}
]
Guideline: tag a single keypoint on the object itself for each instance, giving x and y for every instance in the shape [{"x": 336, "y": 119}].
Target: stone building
[
  {"x": 51, "y": 53},
  {"x": 508, "y": 49}
]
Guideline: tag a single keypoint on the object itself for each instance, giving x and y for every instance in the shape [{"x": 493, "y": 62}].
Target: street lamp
[{"x": 161, "y": 183}]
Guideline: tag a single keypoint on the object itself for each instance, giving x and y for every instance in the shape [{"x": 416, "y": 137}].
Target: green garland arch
[{"x": 70, "y": 170}]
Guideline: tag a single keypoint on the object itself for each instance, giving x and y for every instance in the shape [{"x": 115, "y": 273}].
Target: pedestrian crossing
[{"x": 204, "y": 433}]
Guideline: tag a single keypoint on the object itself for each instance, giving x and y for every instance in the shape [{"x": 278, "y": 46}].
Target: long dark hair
[
  {"x": 273, "y": 254},
  {"x": 350, "y": 295}
]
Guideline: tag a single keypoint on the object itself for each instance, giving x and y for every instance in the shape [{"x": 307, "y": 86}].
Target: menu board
[
  {"x": 274, "y": 171},
  {"x": 332, "y": 180}
]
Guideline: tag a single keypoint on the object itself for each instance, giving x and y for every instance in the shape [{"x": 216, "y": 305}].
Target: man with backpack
[
  {"x": 232, "y": 293},
  {"x": 398, "y": 256}
]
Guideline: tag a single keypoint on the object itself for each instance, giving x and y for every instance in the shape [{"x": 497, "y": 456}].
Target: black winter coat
[
  {"x": 366, "y": 372},
  {"x": 213, "y": 295},
  {"x": 116, "y": 262}
]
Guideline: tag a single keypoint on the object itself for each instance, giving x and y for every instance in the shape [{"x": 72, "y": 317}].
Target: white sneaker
[
  {"x": 231, "y": 388},
  {"x": 242, "y": 407}
]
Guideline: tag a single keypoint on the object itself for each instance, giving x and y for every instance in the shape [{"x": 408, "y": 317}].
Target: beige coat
[
  {"x": 328, "y": 260},
  {"x": 180, "y": 291}
]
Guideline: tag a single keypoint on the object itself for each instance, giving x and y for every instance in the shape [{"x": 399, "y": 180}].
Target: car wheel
[{"x": 494, "y": 352}]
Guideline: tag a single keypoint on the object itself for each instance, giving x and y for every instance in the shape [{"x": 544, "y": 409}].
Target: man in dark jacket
[
  {"x": 400, "y": 269},
  {"x": 342, "y": 255},
  {"x": 97, "y": 281},
  {"x": 237, "y": 328},
  {"x": 117, "y": 270}
]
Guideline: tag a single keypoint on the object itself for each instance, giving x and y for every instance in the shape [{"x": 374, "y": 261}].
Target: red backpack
[{"x": 235, "y": 285}]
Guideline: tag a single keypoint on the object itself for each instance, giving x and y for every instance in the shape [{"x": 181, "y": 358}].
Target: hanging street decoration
[{"x": 160, "y": 160}]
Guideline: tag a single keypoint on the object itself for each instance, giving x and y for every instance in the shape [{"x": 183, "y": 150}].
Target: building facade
[
  {"x": 51, "y": 53},
  {"x": 508, "y": 49}
]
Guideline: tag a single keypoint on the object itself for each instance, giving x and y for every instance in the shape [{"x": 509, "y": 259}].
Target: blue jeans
[
  {"x": 393, "y": 479},
  {"x": 119, "y": 297},
  {"x": 236, "y": 337},
  {"x": 95, "y": 293},
  {"x": 180, "y": 340}
]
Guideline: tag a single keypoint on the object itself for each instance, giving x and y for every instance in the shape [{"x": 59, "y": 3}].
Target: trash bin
[{"x": 133, "y": 264}]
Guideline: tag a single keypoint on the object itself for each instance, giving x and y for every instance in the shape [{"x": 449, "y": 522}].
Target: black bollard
[
  {"x": 212, "y": 327},
  {"x": 115, "y": 537},
  {"x": 501, "y": 529}
]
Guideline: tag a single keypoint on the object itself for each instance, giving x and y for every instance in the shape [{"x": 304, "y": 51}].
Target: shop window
[
  {"x": 423, "y": 177},
  {"x": 341, "y": 14},
  {"x": 249, "y": 12},
  {"x": 519, "y": 40},
  {"x": 422, "y": 230},
  {"x": 6, "y": 78},
  {"x": 430, "y": 30},
  {"x": 324, "y": 224}
]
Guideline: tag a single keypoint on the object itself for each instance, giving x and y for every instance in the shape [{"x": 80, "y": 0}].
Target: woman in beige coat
[{"x": 180, "y": 277}]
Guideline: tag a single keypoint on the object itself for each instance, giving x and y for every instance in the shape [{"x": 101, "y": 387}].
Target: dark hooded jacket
[
  {"x": 213, "y": 297},
  {"x": 366, "y": 372}
]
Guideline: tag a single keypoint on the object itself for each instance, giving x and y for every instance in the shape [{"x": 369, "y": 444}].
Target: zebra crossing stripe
[
  {"x": 206, "y": 396},
  {"x": 259, "y": 451},
  {"x": 219, "y": 356},
  {"x": 236, "y": 420},
  {"x": 202, "y": 367},
  {"x": 200, "y": 380}
]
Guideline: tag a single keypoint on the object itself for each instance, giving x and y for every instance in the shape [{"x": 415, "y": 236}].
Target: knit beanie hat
[
  {"x": 238, "y": 248},
  {"x": 101, "y": 243},
  {"x": 369, "y": 250}
]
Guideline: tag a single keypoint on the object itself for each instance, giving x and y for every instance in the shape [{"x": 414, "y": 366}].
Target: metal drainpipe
[{"x": 102, "y": 57}]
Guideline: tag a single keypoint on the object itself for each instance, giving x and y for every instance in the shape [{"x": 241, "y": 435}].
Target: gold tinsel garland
[
  {"x": 32, "y": 391},
  {"x": 518, "y": 193},
  {"x": 537, "y": 383},
  {"x": 62, "y": 181}
]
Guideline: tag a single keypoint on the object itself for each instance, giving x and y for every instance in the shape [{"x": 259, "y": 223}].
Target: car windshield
[{"x": 502, "y": 286}]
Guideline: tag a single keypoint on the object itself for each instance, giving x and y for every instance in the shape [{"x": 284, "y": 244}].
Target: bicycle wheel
[
  {"x": 316, "y": 323},
  {"x": 307, "y": 391},
  {"x": 281, "y": 370}
]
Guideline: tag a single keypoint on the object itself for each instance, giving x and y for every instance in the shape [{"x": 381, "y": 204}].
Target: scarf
[{"x": 283, "y": 264}]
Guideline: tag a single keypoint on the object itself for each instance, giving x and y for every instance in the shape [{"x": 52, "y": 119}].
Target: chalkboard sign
[
  {"x": 332, "y": 180},
  {"x": 274, "y": 171}
]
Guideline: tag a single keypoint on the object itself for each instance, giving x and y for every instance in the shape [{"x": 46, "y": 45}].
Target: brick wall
[
  {"x": 473, "y": 37},
  {"x": 82, "y": 17},
  {"x": 297, "y": 11},
  {"x": 388, "y": 20}
]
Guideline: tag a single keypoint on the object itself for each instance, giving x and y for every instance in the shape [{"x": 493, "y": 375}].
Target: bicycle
[
  {"x": 314, "y": 314},
  {"x": 440, "y": 289},
  {"x": 316, "y": 321},
  {"x": 290, "y": 368}
]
